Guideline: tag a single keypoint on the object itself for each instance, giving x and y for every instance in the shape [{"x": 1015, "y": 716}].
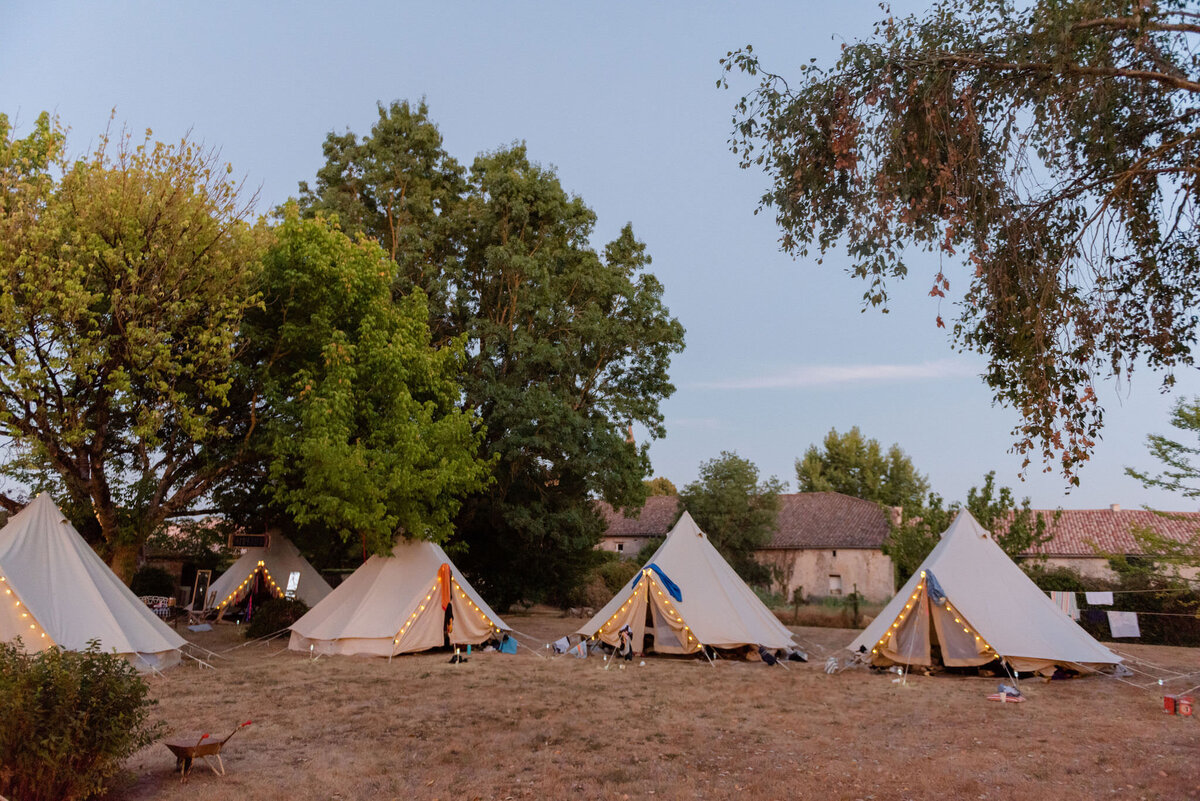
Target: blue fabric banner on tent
[
  {"x": 671, "y": 587},
  {"x": 936, "y": 594}
]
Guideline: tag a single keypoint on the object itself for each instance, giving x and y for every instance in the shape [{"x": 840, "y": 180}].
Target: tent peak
[
  {"x": 687, "y": 518},
  {"x": 965, "y": 521}
]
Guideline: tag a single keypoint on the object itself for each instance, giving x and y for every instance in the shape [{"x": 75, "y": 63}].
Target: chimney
[
  {"x": 896, "y": 513},
  {"x": 629, "y": 436},
  {"x": 1116, "y": 507}
]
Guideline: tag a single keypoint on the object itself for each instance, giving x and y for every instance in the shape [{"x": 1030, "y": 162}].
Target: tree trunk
[{"x": 123, "y": 561}]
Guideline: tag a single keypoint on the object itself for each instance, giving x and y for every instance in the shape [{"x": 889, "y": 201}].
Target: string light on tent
[
  {"x": 274, "y": 587},
  {"x": 895, "y": 624},
  {"x": 33, "y": 626},
  {"x": 966, "y": 627},
  {"x": 673, "y": 613},
  {"x": 617, "y": 614}
]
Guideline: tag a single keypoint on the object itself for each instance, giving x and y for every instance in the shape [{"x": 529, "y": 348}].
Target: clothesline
[{"x": 1132, "y": 592}]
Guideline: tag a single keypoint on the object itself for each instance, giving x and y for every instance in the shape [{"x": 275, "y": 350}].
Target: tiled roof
[
  {"x": 806, "y": 520},
  {"x": 833, "y": 520},
  {"x": 652, "y": 520},
  {"x": 828, "y": 520},
  {"x": 1084, "y": 532}
]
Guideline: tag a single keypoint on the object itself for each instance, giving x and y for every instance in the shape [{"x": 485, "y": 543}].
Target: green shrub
[
  {"x": 591, "y": 592},
  {"x": 150, "y": 580},
  {"x": 68, "y": 720},
  {"x": 616, "y": 573},
  {"x": 647, "y": 550},
  {"x": 275, "y": 615},
  {"x": 770, "y": 598},
  {"x": 1061, "y": 579}
]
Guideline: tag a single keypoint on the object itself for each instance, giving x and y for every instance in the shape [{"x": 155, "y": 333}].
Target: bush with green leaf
[
  {"x": 648, "y": 550},
  {"x": 275, "y": 615},
  {"x": 68, "y": 719},
  {"x": 607, "y": 575},
  {"x": 150, "y": 580},
  {"x": 617, "y": 573}
]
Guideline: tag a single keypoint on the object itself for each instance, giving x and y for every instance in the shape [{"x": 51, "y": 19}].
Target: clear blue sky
[{"x": 621, "y": 99}]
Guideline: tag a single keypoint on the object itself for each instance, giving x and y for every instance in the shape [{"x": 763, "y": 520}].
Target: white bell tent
[
  {"x": 692, "y": 597},
  {"x": 57, "y": 592},
  {"x": 982, "y": 607},
  {"x": 397, "y": 604},
  {"x": 272, "y": 565}
]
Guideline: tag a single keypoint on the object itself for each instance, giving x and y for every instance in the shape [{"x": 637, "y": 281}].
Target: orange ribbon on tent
[{"x": 444, "y": 581}]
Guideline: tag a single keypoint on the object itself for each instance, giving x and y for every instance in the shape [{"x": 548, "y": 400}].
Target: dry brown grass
[{"x": 527, "y": 727}]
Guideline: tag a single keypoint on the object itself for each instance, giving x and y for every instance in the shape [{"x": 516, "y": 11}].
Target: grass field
[{"x": 531, "y": 726}]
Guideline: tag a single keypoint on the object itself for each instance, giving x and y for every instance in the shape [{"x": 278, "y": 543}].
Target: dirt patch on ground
[{"x": 535, "y": 726}]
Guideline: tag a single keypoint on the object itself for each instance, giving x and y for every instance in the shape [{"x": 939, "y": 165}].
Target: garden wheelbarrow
[{"x": 187, "y": 749}]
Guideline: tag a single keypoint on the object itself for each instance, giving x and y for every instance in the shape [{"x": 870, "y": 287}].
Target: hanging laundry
[
  {"x": 1124, "y": 624},
  {"x": 1093, "y": 616},
  {"x": 1098, "y": 598},
  {"x": 1067, "y": 602}
]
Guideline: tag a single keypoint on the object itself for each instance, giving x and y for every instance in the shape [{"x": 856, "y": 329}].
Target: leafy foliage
[
  {"x": 1050, "y": 146},
  {"x": 1170, "y": 558},
  {"x": 150, "y": 580},
  {"x": 853, "y": 465},
  {"x": 201, "y": 542},
  {"x": 660, "y": 485},
  {"x": 616, "y": 573},
  {"x": 1017, "y": 529},
  {"x": 736, "y": 510},
  {"x": 70, "y": 719},
  {"x": 1178, "y": 473},
  {"x": 565, "y": 345},
  {"x": 360, "y": 432},
  {"x": 274, "y": 615},
  {"x": 646, "y": 551},
  {"x": 912, "y": 538},
  {"x": 124, "y": 277}
]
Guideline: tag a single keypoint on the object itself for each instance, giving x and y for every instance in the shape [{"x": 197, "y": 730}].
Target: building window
[
  {"x": 835, "y": 554},
  {"x": 620, "y": 547},
  {"x": 835, "y": 584}
]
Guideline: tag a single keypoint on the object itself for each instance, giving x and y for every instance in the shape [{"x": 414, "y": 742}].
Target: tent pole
[
  {"x": 1011, "y": 674},
  {"x": 704, "y": 650}
]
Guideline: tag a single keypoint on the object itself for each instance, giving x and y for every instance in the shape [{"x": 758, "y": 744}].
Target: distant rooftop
[
  {"x": 806, "y": 520},
  {"x": 828, "y": 520},
  {"x": 652, "y": 520},
  {"x": 1081, "y": 532}
]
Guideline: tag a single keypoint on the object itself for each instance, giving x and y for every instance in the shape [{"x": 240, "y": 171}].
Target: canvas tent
[
  {"x": 271, "y": 566},
  {"x": 397, "y": 604},
  {"x": 973, "y": 604},
  {"x": 57, "y": 591},
  {"x": 691, "y": 597}
]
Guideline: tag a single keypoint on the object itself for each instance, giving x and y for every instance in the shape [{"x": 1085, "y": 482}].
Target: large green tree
[
  {"x": 360, "y": 432},
  {"x": 124, "y": 277},
  {"x": 1046, "y": 152},
  {"x": 857, "y": 466},
  {"x": 736, "y": 510},
  {"x": 566, "y": 345}
]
